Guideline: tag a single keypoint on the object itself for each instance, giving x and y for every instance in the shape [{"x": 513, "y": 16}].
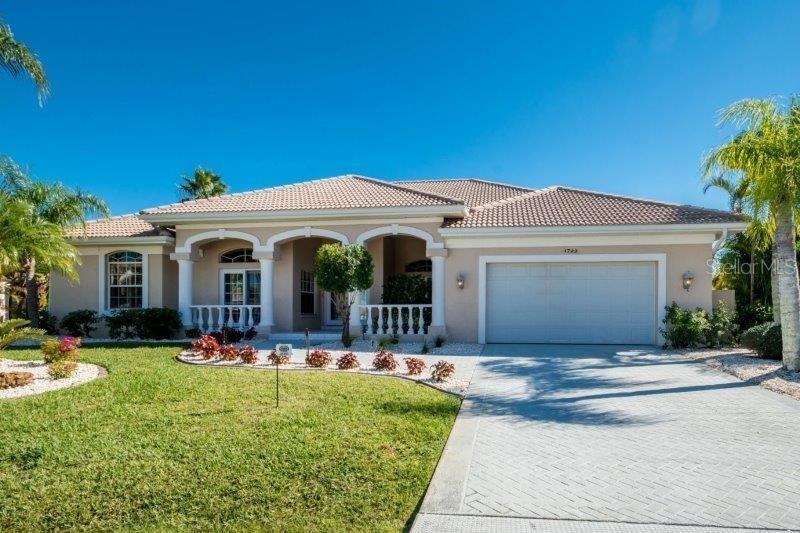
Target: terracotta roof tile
[
  {"x": 121, "y": 226},
  {"x": 341, "y": 192},
  {"x": 563, "y": 206},
  {"x": 473, "y": 192}
]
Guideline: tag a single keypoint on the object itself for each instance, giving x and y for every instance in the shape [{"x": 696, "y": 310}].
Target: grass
[{"x": 160, "y": 445}]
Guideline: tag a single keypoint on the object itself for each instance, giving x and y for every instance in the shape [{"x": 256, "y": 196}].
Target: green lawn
[{"x": 160, "y": 445}]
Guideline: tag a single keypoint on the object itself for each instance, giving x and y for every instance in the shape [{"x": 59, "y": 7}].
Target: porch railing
[
  {"x": 389, "y": 319},
  {"x": 215, "y": 317}
]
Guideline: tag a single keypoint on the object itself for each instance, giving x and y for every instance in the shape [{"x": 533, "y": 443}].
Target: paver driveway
[{"x": 609, "y": 438}]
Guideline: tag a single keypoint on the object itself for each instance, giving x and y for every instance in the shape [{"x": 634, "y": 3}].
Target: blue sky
[{"x": 613, "y": 96}]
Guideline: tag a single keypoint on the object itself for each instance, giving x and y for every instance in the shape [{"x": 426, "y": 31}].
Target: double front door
[{"x": 241, "y": 287}]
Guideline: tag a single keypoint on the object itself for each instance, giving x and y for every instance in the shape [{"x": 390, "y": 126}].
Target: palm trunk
[
  {"x": 31, "y": 293},
  {"x": 773, "y": 279},
  {"x": 789, "y": 288}
]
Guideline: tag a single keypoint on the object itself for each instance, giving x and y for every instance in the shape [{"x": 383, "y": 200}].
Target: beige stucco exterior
[{"x": 293, "y": 247}]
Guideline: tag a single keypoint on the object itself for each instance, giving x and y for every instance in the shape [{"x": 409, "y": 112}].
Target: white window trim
[
  {"x": 316, "y": 293},
  {"x": 243, "y": 272},
  {"x": 104, "y": 290},
  {"x": 661, "y": 278}
]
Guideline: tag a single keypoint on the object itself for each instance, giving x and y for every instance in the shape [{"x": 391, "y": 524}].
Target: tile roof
[
  {"x": 121, "y": 226},
  {"x": 473, "y": 192},
  {"x": 565, "y": 207},
  {"x": 340, "y": 192}
]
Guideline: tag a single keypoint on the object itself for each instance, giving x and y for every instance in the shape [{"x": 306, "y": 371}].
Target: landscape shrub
[
  {"x": 193, "y": 333},
  {"x": 385, "y": 361},
  {"x": 250, "y": 334},
  {"x": 424, "y": 349},
  {"x": 684, "y": 328},
  {"x": 347, "y": 361},
  {"x": 228, "y": 335},
  {"x": 206, "y": 347},
  {"x": 123, "y": 323},
  {"x": 157, "y": 323},
  {"x": 228, "y": 352},
  {"x": 80, "y": 323},
  {"x": 442, "y": 371},
  {"x": 62, "y": 349},
  {"x": 722, "y": 327},
  {"x": 61, "y": 369},
  {"x": 275, "y": 359},
  {"x": 9, "y": 380},
  {"x": 414, "y": 365},
  {"x": 319, "y": 358},
  {"x": 248, "y": 355},
  {"x": 405, "y": 289},
  {"x": 764, "y": 339},
  {"x": 438, "y": 342},
  {"x": 753, "y": 314},
  {"x": 48, "y": 322}
]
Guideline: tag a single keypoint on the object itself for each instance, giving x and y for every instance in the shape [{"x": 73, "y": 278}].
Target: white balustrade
[
  {"x": 389, "y": 319},
  {"x": 215, "y": 317}
]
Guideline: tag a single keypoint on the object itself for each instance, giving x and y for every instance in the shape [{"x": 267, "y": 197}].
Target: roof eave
[
  {"x": 149, "y": 239},
  {"x": 732, "y": 227},
  {"x": 446, "y": 211}
]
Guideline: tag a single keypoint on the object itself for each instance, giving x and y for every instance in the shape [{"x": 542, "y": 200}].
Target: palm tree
[
  {"x": 16, "y": 58},
  {"x": 48, "y": 209},
  {"x": 16, "y": 329},
  {"x": 203, "y": 184},
  {"x": 767, "y": 150}
]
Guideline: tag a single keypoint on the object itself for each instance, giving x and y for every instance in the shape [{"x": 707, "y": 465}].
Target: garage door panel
[{"x": 571, "y": 302}]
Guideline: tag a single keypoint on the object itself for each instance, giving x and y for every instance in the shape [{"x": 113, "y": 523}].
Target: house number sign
[{"x": 570, "y": 250}]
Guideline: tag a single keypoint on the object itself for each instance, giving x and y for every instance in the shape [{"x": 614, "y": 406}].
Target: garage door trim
[{"x": 659, "y": 259}]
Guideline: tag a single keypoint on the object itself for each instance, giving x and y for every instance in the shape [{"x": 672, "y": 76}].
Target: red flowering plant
[
  {"x": 385, "y": 360},
  {"x": 206, "y": 347},
  {"x": 319, "y": 358},
  {"x": 228, "y": 352},
  {"x": 63, "y": 349},
  {"x": 414, "y": 365},
  {"x": 348, "y": 361},
  {"x": 442, "y": 371},
  {"x": 248, "y": 355},
  {"x": 275, "y": 359}
]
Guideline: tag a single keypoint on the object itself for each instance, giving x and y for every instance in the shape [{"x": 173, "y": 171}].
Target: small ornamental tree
[{"x": 343, "y": 271}]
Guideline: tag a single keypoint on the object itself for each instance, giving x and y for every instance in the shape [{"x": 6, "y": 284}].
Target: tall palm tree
[
  {"x": 767, "y": 150},
  {"x": 16, "y": 59},
  {"x": 47, "y": 208},
  {"x": 203, "y": 184}
]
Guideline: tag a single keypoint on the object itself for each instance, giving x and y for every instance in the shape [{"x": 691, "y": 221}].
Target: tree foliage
[
  {"x": 202, "y": 184},
  {"x": 17, "y": 59},
  {"x": 343, "y": 271}
]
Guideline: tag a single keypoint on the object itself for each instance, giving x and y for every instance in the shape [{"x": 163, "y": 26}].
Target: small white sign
[{"x": 284, "y": 350}]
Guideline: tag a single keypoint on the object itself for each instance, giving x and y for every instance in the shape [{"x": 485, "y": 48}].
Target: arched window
[
  {"x": 423, "y": 265},
  {"x": 125, "y": 280},
  {"x": 239, "y": 255}
]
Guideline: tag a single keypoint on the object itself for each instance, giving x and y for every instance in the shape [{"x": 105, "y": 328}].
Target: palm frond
[
  {"x": 17, "y": 59},
  {"x": 16, "y": 329}
]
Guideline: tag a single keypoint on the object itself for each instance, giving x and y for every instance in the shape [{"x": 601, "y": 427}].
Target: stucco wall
[
  {"x": 461, "y": 306},
  {"x": 82, "y": 294}
]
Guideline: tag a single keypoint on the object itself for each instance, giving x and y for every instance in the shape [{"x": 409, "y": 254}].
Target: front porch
[{"x": 227, "y": 278}]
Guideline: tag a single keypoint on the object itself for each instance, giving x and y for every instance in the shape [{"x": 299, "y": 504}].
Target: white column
[
  {"x": 355, "y": 310},
  {"x": 185, "y": 268},
  {"x": 267, "y": 281},
  {"x": 437, "y": 290}
]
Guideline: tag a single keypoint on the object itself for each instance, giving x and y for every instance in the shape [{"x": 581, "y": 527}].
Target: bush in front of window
[
  {"x": 80, "y": 323},
  {"x": 155, "y": 323}
]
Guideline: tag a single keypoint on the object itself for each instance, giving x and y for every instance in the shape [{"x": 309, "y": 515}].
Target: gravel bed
[
  {"x": 463, "y": 356},
  {"x": 41, "y": 381},
  {"x": 747, "y": 366}
]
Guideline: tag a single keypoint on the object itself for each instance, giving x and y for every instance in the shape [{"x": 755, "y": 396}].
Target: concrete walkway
[{"x": 617, "y": 439}]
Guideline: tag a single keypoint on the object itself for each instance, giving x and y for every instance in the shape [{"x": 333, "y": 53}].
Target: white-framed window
[
  {"x": 239, "y": 255},
  {"x": 420, "y": 266},
  {"x": 125, "y": 280},
  {"x": 308, "y": 293},
  {"x": 240, "y": 287}
]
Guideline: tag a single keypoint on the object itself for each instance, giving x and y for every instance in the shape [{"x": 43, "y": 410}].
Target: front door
[{"x": 241, "y": 287}]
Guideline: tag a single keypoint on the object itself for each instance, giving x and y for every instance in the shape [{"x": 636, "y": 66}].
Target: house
[{"x": 507, "y": 263}]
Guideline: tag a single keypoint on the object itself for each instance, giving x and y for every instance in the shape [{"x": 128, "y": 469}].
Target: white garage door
[{"x": 592, "y": 303}]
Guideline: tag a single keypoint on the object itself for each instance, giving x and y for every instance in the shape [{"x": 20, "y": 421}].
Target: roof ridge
[
  {"x": 637, "y": 199},
  {"x": 512, "y": 199},
  {"x": 478, "y": 180},
  {"x": 394, "y": 185},
  {"x": 117, "y": 217}
]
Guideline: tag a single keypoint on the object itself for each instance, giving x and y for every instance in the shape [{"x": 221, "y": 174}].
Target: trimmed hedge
[
  {"x": 155, "y": 323},
  {"x": 764, "y": 339}
]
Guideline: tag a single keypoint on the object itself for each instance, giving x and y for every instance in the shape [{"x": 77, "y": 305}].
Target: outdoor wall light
[
  {"x": 688, "y": 279},
  {"x": 460, "y": 280}
]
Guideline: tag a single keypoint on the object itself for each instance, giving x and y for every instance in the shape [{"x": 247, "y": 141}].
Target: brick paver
[{"x": 619, "y": 435}]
